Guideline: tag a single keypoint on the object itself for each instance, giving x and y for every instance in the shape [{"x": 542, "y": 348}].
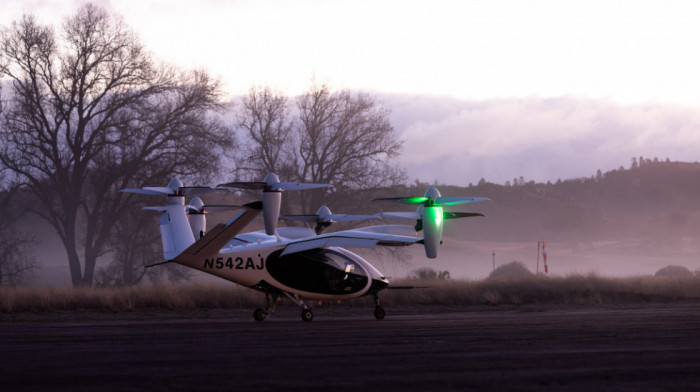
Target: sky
[{"x": 477, "y": 89}]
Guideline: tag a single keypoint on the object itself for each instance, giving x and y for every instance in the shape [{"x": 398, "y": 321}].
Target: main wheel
[
  {"x": 379, "y": 312},
  {"x": 307, "y": 315},
  {"x": 259, "y": 314}
]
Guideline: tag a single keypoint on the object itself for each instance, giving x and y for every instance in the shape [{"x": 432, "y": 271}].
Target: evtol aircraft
[{"x": 299, "y": 263}]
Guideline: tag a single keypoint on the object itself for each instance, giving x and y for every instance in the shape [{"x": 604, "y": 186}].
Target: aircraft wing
[{"x": 349, "y": 239}]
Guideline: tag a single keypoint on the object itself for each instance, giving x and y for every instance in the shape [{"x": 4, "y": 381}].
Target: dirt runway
[{"x": 477, "y": 348}]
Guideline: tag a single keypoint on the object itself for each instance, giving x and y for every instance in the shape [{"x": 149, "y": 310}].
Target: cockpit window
[{"x": 319, "y": 270}]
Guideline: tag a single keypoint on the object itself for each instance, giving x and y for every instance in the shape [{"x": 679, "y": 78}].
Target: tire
[
  {"x": 379, "y": 313},
  {"x": 307, "y": 315},
  {"x": 259, "y": 314}
]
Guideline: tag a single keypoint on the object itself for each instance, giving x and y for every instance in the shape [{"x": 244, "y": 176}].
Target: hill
[
  {"x": 622, "y": 222},
  {"x": 619, "y": 223}
]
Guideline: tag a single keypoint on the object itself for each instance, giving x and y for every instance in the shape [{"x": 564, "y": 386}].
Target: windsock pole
[{"x": 544, "y": 257}]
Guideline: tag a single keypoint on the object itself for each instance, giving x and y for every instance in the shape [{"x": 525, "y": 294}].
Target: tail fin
[
  {"x": 177, "y": 236},
  {"x": 175, "y": 230}
]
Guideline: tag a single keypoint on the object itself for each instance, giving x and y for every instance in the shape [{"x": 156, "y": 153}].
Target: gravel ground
[{"x": 528, "y": 348}]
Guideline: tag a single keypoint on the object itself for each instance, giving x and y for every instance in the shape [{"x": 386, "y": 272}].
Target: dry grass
[
  {"x": 193, "y": 296},
  {"x": 571, "y": 290},
  {"x": 588, "y": 289}
]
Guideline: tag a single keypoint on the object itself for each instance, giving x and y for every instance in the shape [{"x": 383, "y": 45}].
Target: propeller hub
[
  {"x": 175, "y": 185},
  {"x": 196, "y": 204},
  {"x": 324, "y": 214},
  {"x": 433, "y": 194},
  {"x": 271, "y": 182}
]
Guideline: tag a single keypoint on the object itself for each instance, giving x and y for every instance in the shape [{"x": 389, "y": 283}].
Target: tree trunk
[{"x": 74, "y": 262}]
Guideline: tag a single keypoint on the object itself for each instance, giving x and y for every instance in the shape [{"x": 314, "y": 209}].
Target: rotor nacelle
[
  {"x": 430, "y": 215},
  {"x": 324, "y": 218},
  {"x": 196, "y": 215},
  {"x": 271, "y": 196}
]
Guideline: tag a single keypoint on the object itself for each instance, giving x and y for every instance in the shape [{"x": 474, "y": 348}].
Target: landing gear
[
  {"x": 259, "y": 314},
  {"x": 270, "y": 304},
  {"x": 307, "y": 315},
  {"x": 379, "y": 312}
]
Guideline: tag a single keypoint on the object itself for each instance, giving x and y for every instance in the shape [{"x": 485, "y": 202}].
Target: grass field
[{"x": 588, "y": 289}]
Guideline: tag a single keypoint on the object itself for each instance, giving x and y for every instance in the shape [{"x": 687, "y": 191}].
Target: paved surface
[{"x": 478, "y": 348}]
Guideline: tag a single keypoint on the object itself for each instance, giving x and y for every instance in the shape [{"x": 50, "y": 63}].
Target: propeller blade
[
  {"x": 404, "y": 200},
  {"x": 159, "y": 209},
  {"x": 243, "y": 185},
  {"x": 296, "y": 186},
  {"x": 401, "y": 215},
  {"x": 172, "y": 207},
  {"x": 220, "y": 207},
  {"x": 301, "y": 218},
  {"x": 350, "y": 218},
  {"x": 160, "y": 190},
  {"x": 453, "y": 215},
  {"x": 192, "y": 190},
  {"x": 194, "y": 210},
  {"x": 450, "y": 201}
]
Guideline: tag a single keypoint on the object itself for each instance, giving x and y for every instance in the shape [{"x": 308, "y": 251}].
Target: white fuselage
[{"x": 321, "y": 273}]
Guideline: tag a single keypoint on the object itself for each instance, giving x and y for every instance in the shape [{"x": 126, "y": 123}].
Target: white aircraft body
[{"x": 298, "y": 263}]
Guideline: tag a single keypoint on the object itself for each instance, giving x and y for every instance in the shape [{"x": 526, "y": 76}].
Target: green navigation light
[
  {"x": 433, "y": 214},
  {"x": 415, "y": 200}
]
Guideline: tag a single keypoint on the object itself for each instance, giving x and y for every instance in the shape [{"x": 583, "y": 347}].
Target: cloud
[{"x": 457, "y": 142}]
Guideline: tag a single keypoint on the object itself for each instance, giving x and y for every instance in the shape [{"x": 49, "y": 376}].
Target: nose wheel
[
  {"x": 379, "y": 312},
  {"x": 259, "y": 314}
]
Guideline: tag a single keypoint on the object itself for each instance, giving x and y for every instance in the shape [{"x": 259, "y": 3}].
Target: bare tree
[
  {"x": 339, "y": 138},
  {"x": 90, "y": 113},
  {"x": 17, "y": 260},
  {"x": 346, "y": 140},
  {"x": 266, "y": 120},
  {"x": 136, "y": 243}
]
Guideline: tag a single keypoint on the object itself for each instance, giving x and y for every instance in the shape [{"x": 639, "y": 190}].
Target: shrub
[
  {"x": 673, "y": 270},
  {"x": 428, "y": 274},
  {"x": 512, "y": 270}
]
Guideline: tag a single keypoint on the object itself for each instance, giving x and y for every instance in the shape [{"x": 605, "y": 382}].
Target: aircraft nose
[{"x": 378, "y": 285}]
